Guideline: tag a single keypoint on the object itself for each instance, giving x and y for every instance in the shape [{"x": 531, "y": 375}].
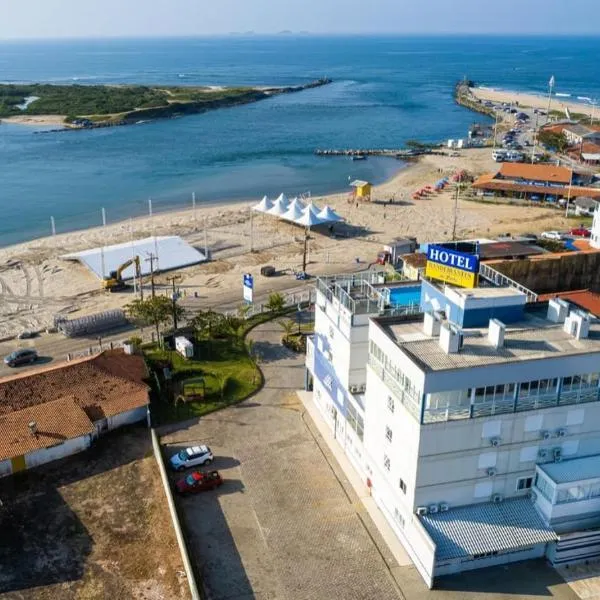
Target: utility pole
[
  {"x": 174, "y": 298},
  {"x": 194, "y": 205},
  {"x": 151, "y": 258},
  {"x": 205, "y": 238},
  {"x": 456, "y": 208},
  {"x": 252, "y": 231},
  {"x": 535, "y": 130},
  {"x": 495, "y": 130},
  {"x": 550, "y": 88},
  {"x": 569, "y": 194},
  {"x": 305, "y": 250}
]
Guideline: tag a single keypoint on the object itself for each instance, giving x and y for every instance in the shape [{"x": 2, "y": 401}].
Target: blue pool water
[{"x": 404, "y": 296}]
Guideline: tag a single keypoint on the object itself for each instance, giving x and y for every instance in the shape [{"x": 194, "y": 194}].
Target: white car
[
  {"x": 552, "y": 235},
  {"x": 191, "y": 457}
]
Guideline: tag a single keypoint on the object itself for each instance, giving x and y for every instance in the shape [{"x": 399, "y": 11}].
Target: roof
[
  {"x": 585, "y": 299},
  {"x": 586, "y": 202},
  {"x": 171, "y": 252},
  {"x": 359, "y": 183},
  {"x": 579, "y": 129},
  {"x": 533, "y": 338},
  {"x": 486, "y": 527},
  {"x": 535, "y": 172},
  {"x": 417, "y": 260},
  {"x": 486, "y": 183},
  {"x": 56, "y": 421},
  {"x": 507, "y": 249},
  {"x": 578, "y": 469},
  {"x": 103, "y": 385}
]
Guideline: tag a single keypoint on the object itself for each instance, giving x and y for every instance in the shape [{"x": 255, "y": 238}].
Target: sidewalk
[{"x": 361, "y": 490}]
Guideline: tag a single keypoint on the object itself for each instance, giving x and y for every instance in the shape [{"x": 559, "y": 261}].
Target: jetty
[{"x": 399, "y": 153}]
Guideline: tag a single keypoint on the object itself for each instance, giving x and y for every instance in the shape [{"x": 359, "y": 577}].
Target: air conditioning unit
[
  {"x": 353, "y": 389},
  {"x": 362, "y": 388},
  {"x": 543, "y": 453},
  {"x": 444, "y": 507},
  {"x": 558, "y": 459},
  {"x": 561, "y": 432},
  {"x": 557, "y": 454},
  {"x": 495, "y": 441},
  {"x": 433, "y": 508},
  {"x": 545, "y": 435},
  {"x": 497, "y": 498},
  {"x": 491, "y": 471},
  {"x": 421, "y": 510},
  {"x": 533, "y": 496}
]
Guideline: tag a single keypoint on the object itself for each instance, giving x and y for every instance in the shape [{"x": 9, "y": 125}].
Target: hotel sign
[{"x": 451, "y": 266}]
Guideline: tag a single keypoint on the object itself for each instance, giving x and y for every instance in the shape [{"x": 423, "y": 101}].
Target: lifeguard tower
[{"x": 362, "y": 190}]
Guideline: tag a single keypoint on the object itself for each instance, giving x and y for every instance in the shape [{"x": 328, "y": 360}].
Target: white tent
[
  {"x": 309, "y": 218},
  {"x": 329, "y": 215},
  {"x": 313, "y": 209},
  {"x": 283, "y": 198},
  {"x": 264, "y": 205},
  {"x": 297, "y": 202},
  {"x": 293, "y": 213},
  {"x": 279, "y": 207}
]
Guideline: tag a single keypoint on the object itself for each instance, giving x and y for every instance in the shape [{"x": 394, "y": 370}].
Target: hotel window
[
  {"x": 355, "y": 421},
  {"x": 575, "y": 383},
  {"x": 491, "y": 393},
  {"x": 388, "y": 434},
  {"x": 524, "y": 483},
  {"x": 541, "y": 387},
  {"x": 390, "y": 403},
  {"x": 386, "y": 462},
  {"x": 399, "y": 517},
  {"x": 402, "y": 484}
]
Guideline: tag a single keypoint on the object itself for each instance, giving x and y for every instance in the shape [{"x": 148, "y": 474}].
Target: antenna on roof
[{"x": 33, "y": 428}]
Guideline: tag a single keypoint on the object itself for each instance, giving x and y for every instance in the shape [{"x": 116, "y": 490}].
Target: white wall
[
  {"x": 5, "y": 468},
  {"x": 131, "y": 416},
  {"x": 45, "y": 455}
]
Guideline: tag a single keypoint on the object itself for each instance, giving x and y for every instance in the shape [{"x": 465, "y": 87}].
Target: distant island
[{"x": 90, "y": 106}]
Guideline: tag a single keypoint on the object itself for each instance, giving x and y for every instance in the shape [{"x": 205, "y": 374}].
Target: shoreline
[
  {"x": 35, "y": 120},
  {"x": 531, "y": 100}
]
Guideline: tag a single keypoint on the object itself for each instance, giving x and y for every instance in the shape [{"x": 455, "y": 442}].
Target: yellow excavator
[{"x": 114, "y": 282}]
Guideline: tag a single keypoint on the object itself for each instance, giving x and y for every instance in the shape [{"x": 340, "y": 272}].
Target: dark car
[
  {"x": 21, "y": 357},
  {"x": 198, "y": 481}
]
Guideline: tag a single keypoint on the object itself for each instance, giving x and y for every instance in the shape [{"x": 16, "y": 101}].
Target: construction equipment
[{"x": 114, "y": 282}]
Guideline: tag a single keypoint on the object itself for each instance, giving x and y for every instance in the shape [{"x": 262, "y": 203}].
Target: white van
[{"x": 499, "y": 155}]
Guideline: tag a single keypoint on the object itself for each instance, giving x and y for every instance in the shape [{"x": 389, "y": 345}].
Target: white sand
[
  {"x": 35, "y": 284},
  {"x": 532, "y": 101},
  {"x": 35, "y": 119}
]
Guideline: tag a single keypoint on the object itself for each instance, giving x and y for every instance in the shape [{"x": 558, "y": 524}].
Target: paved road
[{"x": 283, "y": 526}]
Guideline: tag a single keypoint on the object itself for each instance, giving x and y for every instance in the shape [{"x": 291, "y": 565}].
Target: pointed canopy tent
[
  {"x": 309, "y": 219},
  {"x": 296, "y": 202},
  {"x": 292, "y": 214},
  {"x": 264, "y": 205},
  {"x": 329, "y": 215},
  {"x": 279, "y": 207},
  {"x": 283, "y": 198},
  {"x": 313, "y": 208}
]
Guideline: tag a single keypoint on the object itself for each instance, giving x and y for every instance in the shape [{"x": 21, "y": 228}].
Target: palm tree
[{"x": 287, "y": 326}]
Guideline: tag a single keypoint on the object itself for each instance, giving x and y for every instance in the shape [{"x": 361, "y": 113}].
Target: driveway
[{"x": 282, "y": 526}]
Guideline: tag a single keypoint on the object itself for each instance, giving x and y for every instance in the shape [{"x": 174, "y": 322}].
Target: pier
[{"x": 399, "y": 153}]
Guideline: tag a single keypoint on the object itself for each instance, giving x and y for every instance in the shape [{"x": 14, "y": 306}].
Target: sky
[{"x": 102, "y": 18}]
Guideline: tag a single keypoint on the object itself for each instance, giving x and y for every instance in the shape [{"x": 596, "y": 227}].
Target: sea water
[{"x": 386, "y": 90}]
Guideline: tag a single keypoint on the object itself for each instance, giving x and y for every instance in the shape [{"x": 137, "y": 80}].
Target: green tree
[
  {"x": 155, "y": 311},
  {"x": 244, "y": 310},
  {"x": 276, "y": 302},
  {"x": 206, "y": 323},
  {"x": 287, "y": 325},
  {"x": 554, "y": 141}
]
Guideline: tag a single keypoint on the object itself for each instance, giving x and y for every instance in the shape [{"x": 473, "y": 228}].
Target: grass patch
[{"x": 221, "y": 371}]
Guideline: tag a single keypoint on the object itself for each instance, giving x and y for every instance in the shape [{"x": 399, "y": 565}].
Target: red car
[
  {"x": 199, "y": 482},
  {"x": 581, "y": 232}
]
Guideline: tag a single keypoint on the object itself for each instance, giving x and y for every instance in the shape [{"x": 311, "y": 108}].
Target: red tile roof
[
  {"x": 585, "y": 299},
  {"x": 103, "y": 385},
  {"x": 535, "y": 172},
  {"x": 56, "y": 421}
]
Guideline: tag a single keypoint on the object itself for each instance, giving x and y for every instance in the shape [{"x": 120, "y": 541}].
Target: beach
[
  {"x": 531, "y": 100},
  {"x": 35, "y": 120},
  {"x": 36, "y": 283}
]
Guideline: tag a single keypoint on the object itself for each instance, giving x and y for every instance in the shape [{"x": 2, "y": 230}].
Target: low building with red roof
[{"x": 55, "y": 411}]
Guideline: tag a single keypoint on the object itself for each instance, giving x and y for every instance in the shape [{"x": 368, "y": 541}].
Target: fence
[
  {"x": 110, "y": 319},
  {"x": 500, "y": 279}
]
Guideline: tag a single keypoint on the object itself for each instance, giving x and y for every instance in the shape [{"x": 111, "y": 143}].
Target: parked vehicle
[
  {"x": 581, "y": 232},
  {"x": 197, "y": 481},
  {"x": 552, "y": 235},
  {"x": 21, "y": 357},
  {"x": 191, "y": 457},
  {"x": 26, "y": 334}
]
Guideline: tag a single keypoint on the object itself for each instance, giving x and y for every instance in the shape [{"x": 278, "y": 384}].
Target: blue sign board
[
  {"x": 248, "y": 287},
  {"x": 452, "y": 258}
]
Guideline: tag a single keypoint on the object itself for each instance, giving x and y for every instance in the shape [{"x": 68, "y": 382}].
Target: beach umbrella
[
  {"x": 264, "y": 205},
  {"x": 329, "y": 215},
  {"x": 309, "y": 218},
  {"x": 292, "y": 214}
]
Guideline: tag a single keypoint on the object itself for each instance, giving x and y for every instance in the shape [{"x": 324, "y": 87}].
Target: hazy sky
[{"x": 76, "y": 18}]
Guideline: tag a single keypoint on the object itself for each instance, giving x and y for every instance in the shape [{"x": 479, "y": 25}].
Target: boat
[{"x": 359, "y": 157}]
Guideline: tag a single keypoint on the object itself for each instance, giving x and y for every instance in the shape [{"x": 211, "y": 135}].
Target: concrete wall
[
  {"x": 68, "y": 447},
  {"x": 126, "y": 418},
  {"x": 567, "y": 272}
]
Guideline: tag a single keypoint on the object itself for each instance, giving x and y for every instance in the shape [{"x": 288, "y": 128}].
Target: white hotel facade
[{"x": 476, "y": 423}]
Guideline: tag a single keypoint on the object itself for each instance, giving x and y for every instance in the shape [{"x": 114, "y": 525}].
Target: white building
[
  {"x": 467, "y": 411},
  {"x": 338, "y": 352},
  {"x": 595, "y": 237}
]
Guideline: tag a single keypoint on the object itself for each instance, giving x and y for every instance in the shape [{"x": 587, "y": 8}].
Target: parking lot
[{"x": 286, "y": 524}]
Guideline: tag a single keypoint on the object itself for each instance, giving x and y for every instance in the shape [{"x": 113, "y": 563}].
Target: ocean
[{"x": 386, "y": 90}]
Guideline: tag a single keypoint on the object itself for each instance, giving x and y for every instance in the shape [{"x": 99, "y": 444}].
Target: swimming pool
[{"x": 405, "y": 295}]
